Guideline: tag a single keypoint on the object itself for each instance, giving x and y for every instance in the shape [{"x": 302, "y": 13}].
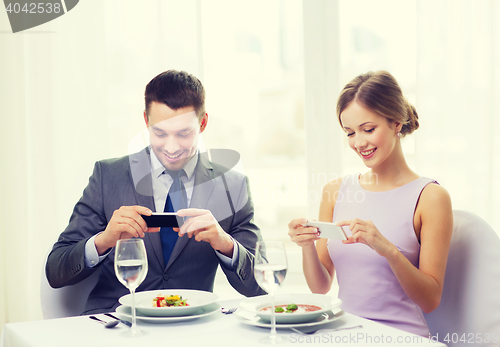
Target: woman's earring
[{"x": 399, "y": 134}]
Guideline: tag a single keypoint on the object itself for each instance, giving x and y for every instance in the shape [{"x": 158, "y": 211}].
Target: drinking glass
[
  {"x": 131, "y": 267},
  {"x": 270, "y": 271}
]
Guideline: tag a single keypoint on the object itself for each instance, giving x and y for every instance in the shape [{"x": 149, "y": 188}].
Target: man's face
[{"x": 174, "y": 134}]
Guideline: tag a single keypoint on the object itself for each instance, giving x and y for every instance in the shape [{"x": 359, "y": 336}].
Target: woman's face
[{"x": 372, "y": 136}]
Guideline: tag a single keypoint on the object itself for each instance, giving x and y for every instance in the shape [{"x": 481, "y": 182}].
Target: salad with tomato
[{"x": 169, "y": 301}]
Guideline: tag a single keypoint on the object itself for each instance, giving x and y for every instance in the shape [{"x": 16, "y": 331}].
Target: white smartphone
[{"x": 328, "y": 230}]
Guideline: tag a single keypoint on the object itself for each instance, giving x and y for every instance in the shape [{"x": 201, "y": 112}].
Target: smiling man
[{"x": 217, "y": 207}]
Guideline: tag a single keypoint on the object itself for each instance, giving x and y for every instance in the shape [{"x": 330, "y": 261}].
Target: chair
[
  {"x": 470, "y": 305},
  {"x": 66, "y": 301}
]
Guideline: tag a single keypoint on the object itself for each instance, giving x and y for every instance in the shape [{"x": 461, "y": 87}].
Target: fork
[{"x": 229, "y": 310}]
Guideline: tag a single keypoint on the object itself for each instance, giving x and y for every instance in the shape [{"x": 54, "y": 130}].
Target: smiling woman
[
  {"x": 400, "y": 230},
  {"x": 370, "y": 109},
  {"x": 380, "y": 92}
]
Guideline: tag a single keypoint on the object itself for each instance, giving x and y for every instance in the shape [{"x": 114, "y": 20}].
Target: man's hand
[
  {"x": 204, "y": 227},
  {"x": 125, "y": 223}
]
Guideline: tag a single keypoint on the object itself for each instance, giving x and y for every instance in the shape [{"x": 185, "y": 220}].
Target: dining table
[{"x": 218, "y": 329}]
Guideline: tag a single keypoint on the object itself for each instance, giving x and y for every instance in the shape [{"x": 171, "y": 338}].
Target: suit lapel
[
  {"x": 203, "y": 187},
  {"x": 203, "y": 183},
  {"x": 140, "y": 174}
]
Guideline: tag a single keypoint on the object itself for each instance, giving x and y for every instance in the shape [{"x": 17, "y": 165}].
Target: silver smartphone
[{"x": 328, "y": 230}]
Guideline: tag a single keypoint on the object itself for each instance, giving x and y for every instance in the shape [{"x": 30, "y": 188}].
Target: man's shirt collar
[{"x": 158, "y": 167}]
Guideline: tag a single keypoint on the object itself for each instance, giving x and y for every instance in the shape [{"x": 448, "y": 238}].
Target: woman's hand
[
  {"x": 300, "y": 234},
  {"x": 364, "y": 231}
]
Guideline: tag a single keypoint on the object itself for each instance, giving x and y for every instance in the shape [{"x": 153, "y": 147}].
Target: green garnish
[
  {"x": 180, "y": 303},
  {"x": 289, "y": 309}
]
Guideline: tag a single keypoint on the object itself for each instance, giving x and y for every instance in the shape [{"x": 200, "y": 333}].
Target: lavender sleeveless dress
[{"x": 367, "y": 285}]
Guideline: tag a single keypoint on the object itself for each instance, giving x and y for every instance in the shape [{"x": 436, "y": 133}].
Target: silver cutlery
[
  {"x": 111, "y": 324},
  {"x": 229, "y": 310},
  {"x": 310, "y": 332},
  {"x": 118, "y": 319}
]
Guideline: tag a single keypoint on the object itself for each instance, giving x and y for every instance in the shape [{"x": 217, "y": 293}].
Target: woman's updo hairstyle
[{"x": 379, "y": 91}]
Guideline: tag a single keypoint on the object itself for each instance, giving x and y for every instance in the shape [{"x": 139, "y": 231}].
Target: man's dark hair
[{"x": 176, "y": 89}]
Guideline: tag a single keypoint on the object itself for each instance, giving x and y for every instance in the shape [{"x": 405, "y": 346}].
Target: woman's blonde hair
[{"x": 380, "y": 92}]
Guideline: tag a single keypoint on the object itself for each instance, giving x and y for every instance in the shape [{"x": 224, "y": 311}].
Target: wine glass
[
  {"x": 270, "y": 271},
  {"x": 131, "y": 267}
]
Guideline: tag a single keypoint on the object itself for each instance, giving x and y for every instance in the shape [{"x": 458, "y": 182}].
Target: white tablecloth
[{"x": 215, "y": 330}]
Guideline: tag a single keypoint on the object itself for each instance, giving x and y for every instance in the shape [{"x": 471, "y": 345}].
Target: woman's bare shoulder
[
  {"x": 434, "y": 194},
  {"x": 434, "y": 203}
]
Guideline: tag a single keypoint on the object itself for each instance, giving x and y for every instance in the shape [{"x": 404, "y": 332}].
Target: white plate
[
  {"x": 196, "y": 299},
  {"x": 124, "y": 312},
  {"x": 255, "y": 304},
  {"x": 252, "y": 319}
]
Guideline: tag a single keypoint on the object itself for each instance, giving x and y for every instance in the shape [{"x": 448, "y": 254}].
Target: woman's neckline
[{"x": 382, "y": 191}]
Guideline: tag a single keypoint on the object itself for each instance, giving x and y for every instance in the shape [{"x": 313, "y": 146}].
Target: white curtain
[
  {"x": 72, "y": 93},
  {"x": 458, "y": 100}
]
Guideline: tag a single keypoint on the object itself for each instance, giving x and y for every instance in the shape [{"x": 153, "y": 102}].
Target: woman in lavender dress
[{"x": 399, "y": 224}]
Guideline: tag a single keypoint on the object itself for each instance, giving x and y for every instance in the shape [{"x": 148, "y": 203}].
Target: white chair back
[
  {"x": 66, "y": 301},
  {"x": 470, "y": 304}
]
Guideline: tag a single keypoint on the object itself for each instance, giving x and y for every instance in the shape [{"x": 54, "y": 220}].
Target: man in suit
[{"x": 219, "y": 227}]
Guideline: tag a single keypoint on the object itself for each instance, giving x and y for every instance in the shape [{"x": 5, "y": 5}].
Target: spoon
[
  {"x": 120, "y": 320},
  {"x": 111, "y": 324}
]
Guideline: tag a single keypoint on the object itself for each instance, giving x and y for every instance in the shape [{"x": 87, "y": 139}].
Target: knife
[{"x": 121, "y": 320}]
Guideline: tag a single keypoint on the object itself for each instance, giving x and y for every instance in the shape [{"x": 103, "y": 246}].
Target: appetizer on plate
[{"x": 169, "y": 301}]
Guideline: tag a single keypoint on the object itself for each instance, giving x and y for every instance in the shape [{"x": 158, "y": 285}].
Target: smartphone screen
[{"x": 162, "y": 219}]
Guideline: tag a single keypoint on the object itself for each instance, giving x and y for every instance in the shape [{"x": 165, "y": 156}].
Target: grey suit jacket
[{"x": 126, "y": 181}]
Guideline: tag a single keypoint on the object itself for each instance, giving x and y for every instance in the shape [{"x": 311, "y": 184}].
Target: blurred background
[{"x": 71, "y": 93}]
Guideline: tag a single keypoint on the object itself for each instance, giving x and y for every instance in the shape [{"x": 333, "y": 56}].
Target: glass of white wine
[
  {"x": 270, "y": 271},
  {"x": 131, "y": 267}
]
